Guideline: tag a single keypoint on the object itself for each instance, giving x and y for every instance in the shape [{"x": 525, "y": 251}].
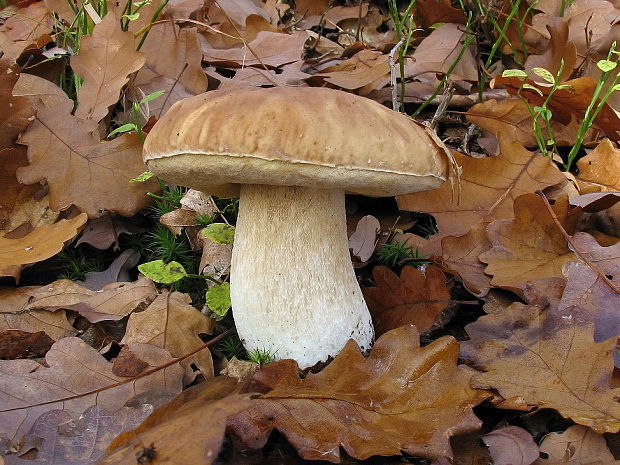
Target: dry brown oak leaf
[
  {"x": 416, "y": 298},
  {"x": 42, "y": 243},
  {"x": 488, "y": 188},
  {"x": 113, "y": 302},
  {"x": 380, "y": 405},
  {"x": 16, "y": 112},
  {"x": 104, "y": 62},
  {"x": 541, "y": 357},
  {"x": 188, "y": 430},
  {"x": 29, "y": 389},
  {"x": 566, "y": 102},
  {"x": 12, "y": 316},
  {"x": 170, "y": 322},
  {"x": 601, "y": 167},
  {"x": 528, "y": 248},
  {"x": 79, "y": 168},
  {"x": 577, "y": 445}
]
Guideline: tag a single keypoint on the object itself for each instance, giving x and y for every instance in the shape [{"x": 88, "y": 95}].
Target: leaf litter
[{"x": 91, "y": 340}]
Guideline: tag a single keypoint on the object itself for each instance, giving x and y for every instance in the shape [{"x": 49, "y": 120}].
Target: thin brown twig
[
  {"x": 128, "y": 380},
  {"x": 569, "y": 239}
]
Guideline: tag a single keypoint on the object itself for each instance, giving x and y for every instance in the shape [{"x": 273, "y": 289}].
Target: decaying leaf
[
  {"x": 529, "y": 247},
  {"x": 29, "y": 389},
  {"x": 559, "y": 365},
  {"x": 188, "y": 430},
  {"x": 577, "y": 445},
  {"x": 488, "y": 188},
  {"x": 113, "y": 302},
  {"x": 511, "y": 446},
  {"x": 104, "y": 62},
  {"x": 79, "y": 169},
  {"x": 20, "y": 344},
  {"x": 378, "y": 405},
  {"x": 364, "y": 240},
  {"x": 170, "y": 322},
  {"x": 44, "y": 242},
  {"x": 416, "y": 298}
]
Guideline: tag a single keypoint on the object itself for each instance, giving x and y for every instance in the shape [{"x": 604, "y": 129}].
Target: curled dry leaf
[
  {"x": 170, "y": 322},
  {"x": 104, "y": 62},
  {"x": 577, "y": 445},
  {"x": 42, "y": 243},
  {"x": 12, "y": 302},
  {"x": 113, "y": 302},
  {"x": 79, "y": 168},
  {"x": 118, "y": 271},
  {"x": 378, "y": 405},
  {"x": 559, "y": 365},
  {"x": 29, "y": 389},
  {"x": 416, "y": 298},
  {"x": 511, "y": 446},
  {"x": 529, "y": 247},
  {"x": 103, "y": 232},
  {"x": 188, "y": 430},
  {"x": 488, "y": 188}
]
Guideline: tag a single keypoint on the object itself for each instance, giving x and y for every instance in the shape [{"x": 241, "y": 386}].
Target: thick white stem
[{"x": 293, "y": 289}]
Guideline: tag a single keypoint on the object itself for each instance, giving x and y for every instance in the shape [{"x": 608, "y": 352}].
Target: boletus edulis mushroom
[{"x": 290, "y": 154}]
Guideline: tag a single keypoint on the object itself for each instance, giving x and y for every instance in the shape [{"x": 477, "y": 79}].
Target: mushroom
[{"x": 290, "y": 154}]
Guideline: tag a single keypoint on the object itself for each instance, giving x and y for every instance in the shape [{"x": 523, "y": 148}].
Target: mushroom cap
[{"x": 293, "y": 136}]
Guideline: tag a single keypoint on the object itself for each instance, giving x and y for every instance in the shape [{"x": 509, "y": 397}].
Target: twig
[
  {"x": 393, "y": 73},
  {"x": 569, "y": 239},
  {"x": 446, "y": 97},
  {"x": 128, "y": 380}
]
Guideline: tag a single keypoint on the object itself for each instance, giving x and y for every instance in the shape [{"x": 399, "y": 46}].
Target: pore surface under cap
[{"x": 290, "y": 136}]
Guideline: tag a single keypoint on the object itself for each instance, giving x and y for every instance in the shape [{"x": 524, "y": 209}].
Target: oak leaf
[
  {"x": 21, "y": 344},
  {"x": 601, "y": 167},
  {"x": 29, "y": 389},
  {"x": 79, "y": 169},
  {"x": 378, "y": 405},
  {"x": 16, "y": 112},
  {"x": 565, "y": 102},
  {"x": 104, "y": 62},
  {"x": 103, "y": 232},
  {"x": 12, "y": 302},
  {"x": 113, "y": 302},
  {"x": 118, "y": 271},
  {"x": 511, "y": 446},
  {"x": 529, "y": 247},
  {"x": 170, "y": 322},
  {"x": 42, "y": 243},
  {"x": 188, "y": 430},
  {"x": 416, "y": 298},
  {"x": 577, "y": 445},
  {"x": 558, "y": 364},
  {"x": 488, "y": 188},
  {"x": 28, "y": 23}
]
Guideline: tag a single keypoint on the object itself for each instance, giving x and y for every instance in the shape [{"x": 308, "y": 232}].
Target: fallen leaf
[
  {"x": 511, "y": 446},
  {"x": 104, "y": 62},
  {"x": 215, "y": 259},
  {"x": 16, "y": 112},
  {"x": 489, "y": 187},
  {"x": 79, "y": 169},
  {"x": 469, "y": 450},
  {"x": 560, "y": 52},
  {"x": 272, "y": 49},
  {"x": 565, "y": 102},
  {"x": 601, "y": 167},
  {"x": 595, "y": 201},
  {"x": 20, "y": 344},
  {"x": 558, "y": 364},
  {"x": 178, "y": 219},
  {"x": 529, "y": 247},
  {"x": 12, "y": 302},
  {"x": 113, "y": 302},
  {"x": 116, "y": 272},
  {"x": 431, "y": 12},
  {"x": 239, "y": 10},
  {"x": 170, "y": 322},
  {"x": 44, "y": 242},
  {"x": 592, "y": 25},
  {"x": 29, "y": 389},
  {"x": 241, "y": 370},
  {"x": 364, "y": 240},
  {"x": 103, "y": 232},
  {"x": 460, "y": 257},
  {"x": 416, "y": 298},
  {"x": 28, "y": 23},
  {"x": 437, "y": 53},
  {"x": 188, "y": 430},
  {"x": 577, "y": 445},
  {"x": 378, "y": 405},
  {"x": 65, "y": 439}
]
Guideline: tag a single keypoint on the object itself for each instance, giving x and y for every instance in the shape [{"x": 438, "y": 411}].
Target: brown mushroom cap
[{"x": 293, "y": 136}]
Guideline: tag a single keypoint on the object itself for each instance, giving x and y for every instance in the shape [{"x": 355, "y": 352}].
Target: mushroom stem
[{"x": 293, "y": 289}]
